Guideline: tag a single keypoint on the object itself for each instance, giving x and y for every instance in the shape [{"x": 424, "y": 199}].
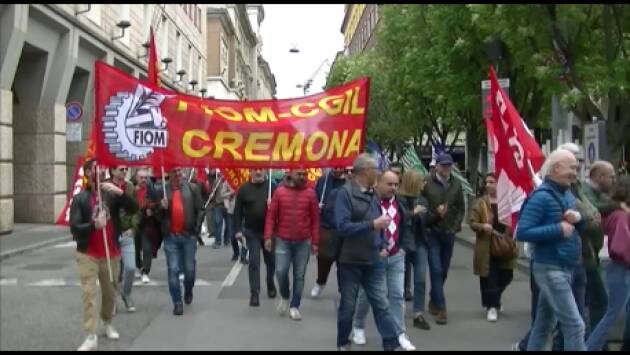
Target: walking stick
[{"x": 104, "y": 229}]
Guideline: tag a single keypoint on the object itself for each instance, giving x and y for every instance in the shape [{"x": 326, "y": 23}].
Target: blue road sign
[{"x": 74, "y": 111}]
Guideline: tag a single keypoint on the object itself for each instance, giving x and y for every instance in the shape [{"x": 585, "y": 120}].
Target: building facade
[
  {"x": 236, "y": 69},
  {"x": 47, "y": 56},
  {"x": 359, "y": 27}
]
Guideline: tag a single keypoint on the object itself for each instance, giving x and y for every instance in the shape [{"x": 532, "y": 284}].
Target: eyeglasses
[{"x": 123, "y": 169}]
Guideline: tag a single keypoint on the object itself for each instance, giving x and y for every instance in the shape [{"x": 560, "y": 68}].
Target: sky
[{"x": 314, "y": 30}]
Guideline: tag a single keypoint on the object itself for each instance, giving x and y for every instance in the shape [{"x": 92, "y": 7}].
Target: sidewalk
[{"x": 26, "y": 237}]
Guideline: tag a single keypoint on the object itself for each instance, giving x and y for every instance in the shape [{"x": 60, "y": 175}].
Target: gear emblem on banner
[{"x": 133, "y": 124}]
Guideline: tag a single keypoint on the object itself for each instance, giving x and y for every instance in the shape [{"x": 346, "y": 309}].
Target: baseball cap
[{"x": 444, "y": 159}]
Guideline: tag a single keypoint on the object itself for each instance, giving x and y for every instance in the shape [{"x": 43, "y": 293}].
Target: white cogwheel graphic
[{"x": 128, "y": 114}]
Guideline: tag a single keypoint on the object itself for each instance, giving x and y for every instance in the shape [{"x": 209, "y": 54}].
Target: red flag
[
  {"x": 64, "y": 216},
  {"x": 153, "y": 73},
  {"x": 517, "y": 155}
]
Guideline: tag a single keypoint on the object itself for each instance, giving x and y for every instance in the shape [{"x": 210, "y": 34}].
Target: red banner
[
  {"x": 64, "y": 216},
  {"x": 517, "y": 154},
  {"x": 139, "y": 124}
]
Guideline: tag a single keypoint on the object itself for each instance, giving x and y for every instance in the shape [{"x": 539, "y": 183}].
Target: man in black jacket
[
  {"x": 87, "y": 221},
  {"x": 249, "y": 222},
  {"x": 181, "y": 215}
]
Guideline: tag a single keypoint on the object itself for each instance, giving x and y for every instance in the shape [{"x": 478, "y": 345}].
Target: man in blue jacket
[
  {"x": 360, "y": 226},
  {"x": 549, "y": 220}
]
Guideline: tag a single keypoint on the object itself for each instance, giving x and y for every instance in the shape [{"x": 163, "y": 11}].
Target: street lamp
[
  {"x": 166, "y": 62},
  {"x": 122, "y": 25}
]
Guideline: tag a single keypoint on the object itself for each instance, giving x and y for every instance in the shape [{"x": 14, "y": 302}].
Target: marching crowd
[{"x": 384, "y": 230}]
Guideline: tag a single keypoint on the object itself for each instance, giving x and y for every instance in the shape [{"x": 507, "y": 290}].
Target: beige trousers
[{"x": 91, "y": 269}]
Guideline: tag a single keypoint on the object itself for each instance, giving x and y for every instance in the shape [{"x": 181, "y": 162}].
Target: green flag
[
  {"x": 465, "y": 185},
  {"x": 411, "y": 161}
]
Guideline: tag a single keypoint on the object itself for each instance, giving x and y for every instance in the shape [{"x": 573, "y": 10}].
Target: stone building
[{"x": 47, "y": 55}]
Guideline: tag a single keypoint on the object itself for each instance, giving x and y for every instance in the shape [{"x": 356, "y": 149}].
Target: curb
[
  {"x": 521, "y": 265},
  {"x": 22, "y": 250}
]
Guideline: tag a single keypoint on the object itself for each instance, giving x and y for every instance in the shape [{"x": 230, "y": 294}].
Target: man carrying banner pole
[{"x": 95, "y": 225}]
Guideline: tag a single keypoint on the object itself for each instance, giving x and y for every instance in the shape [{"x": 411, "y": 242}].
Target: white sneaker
[
  {"x": 294, "y": 314},
  {"x": 405, "y": 343},
  {"x": 492, "y": 315},
  {"x": 145, "y": 279},
  {"x": 90, "y": 343},
  {"x": 181, "y": 277},
  {"x": 283, "y": 306},
  {"x": 138, "y": 274},
  {"x": 358, "y": 336},
  {"x": 110, "y": 331},
  {"x": 317, "y": 290}
]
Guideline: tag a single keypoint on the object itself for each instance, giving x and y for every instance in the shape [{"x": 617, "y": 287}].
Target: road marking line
[
  {"x": 49, "y": 282},
  {"x": 231, "y": 277},
  {"x": 8, "y": 282},
  {"x": 65, "y": 245}
]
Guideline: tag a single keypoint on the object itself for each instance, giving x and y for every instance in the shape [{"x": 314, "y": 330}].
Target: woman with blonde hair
[
  {"x": 495, "y": 274},
  {"x": 410, "y": 198}
]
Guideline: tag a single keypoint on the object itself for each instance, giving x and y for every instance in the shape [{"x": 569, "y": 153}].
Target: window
[
  {"x": 178, "y": 58},
  {"x": 200, "y": 18},
  {"x": 164, "y": 39},
  {"x": 190, "y": 62},
  {"x": 199, "y": 72}
]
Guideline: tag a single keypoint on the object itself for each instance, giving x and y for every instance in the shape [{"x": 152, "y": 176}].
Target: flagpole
[
  {"x": 321, "y": 199},
  {"x": 269, "y": 192},
  {"x": 163, "y": 181},
  {"x": 104, "y": 229},
  {"x": 192, "y": 172}
]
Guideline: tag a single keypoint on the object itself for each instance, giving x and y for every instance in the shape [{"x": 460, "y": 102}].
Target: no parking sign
[{"x": 74, "y": 111}]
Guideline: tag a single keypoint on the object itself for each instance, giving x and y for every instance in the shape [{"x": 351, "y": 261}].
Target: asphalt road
[{"x": 40, "y": 310}]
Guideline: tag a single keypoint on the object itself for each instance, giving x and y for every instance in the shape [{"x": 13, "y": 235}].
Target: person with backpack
[
  {"x": 326, "y": 190},
  {"x": 550, "y": 221},
  {"x": 617, "y": 227}
]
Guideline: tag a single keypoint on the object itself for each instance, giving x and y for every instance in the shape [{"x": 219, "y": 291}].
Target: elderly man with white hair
[{"x": 549, "y": 220}]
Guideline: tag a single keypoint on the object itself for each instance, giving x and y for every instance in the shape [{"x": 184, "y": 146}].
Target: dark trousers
[
  {"x": 408, "y": 267},
  {"x": 596, "y": 296},
  {"x": 324, "y": 260},
  {"x": 493, "y": 285},
  {"x": 144, "y": 251},
  {"x": 255, "y": 243}
]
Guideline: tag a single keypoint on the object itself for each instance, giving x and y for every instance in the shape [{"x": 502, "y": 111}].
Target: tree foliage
[{"x": 429, "y": 60}]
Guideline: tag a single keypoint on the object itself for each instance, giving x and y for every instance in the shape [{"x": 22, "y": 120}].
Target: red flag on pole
[
  {"x": 153, "y": 73},
  {"x": 517, "y": 155}
]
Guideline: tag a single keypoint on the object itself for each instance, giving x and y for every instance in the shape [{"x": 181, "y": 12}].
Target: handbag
[{"x": 503, "y": 247}]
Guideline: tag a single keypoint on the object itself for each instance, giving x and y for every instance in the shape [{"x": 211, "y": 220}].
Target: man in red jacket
[{"x": 293, "y": 220}]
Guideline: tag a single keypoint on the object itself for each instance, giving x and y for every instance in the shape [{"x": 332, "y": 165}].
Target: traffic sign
[{"x": 74, "y": 111}]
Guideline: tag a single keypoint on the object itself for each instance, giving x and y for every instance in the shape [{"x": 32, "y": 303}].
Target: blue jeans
[
  {"x": 128, "y": 263},
  {"x": 350, "y": 277},
  {"x": 395, "y": 279},
  {"x": 287, "y": 253},
  {"x": 440, "y": 253},
  {"x": 180, "y": 251},
  {"x": 220, "y": 215},
  {"x": 578, "y": 286},
  {"x": 420, "y": 264},
  {"x": 556, "y": 303},
  {"x": 618, "y": 281}
]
